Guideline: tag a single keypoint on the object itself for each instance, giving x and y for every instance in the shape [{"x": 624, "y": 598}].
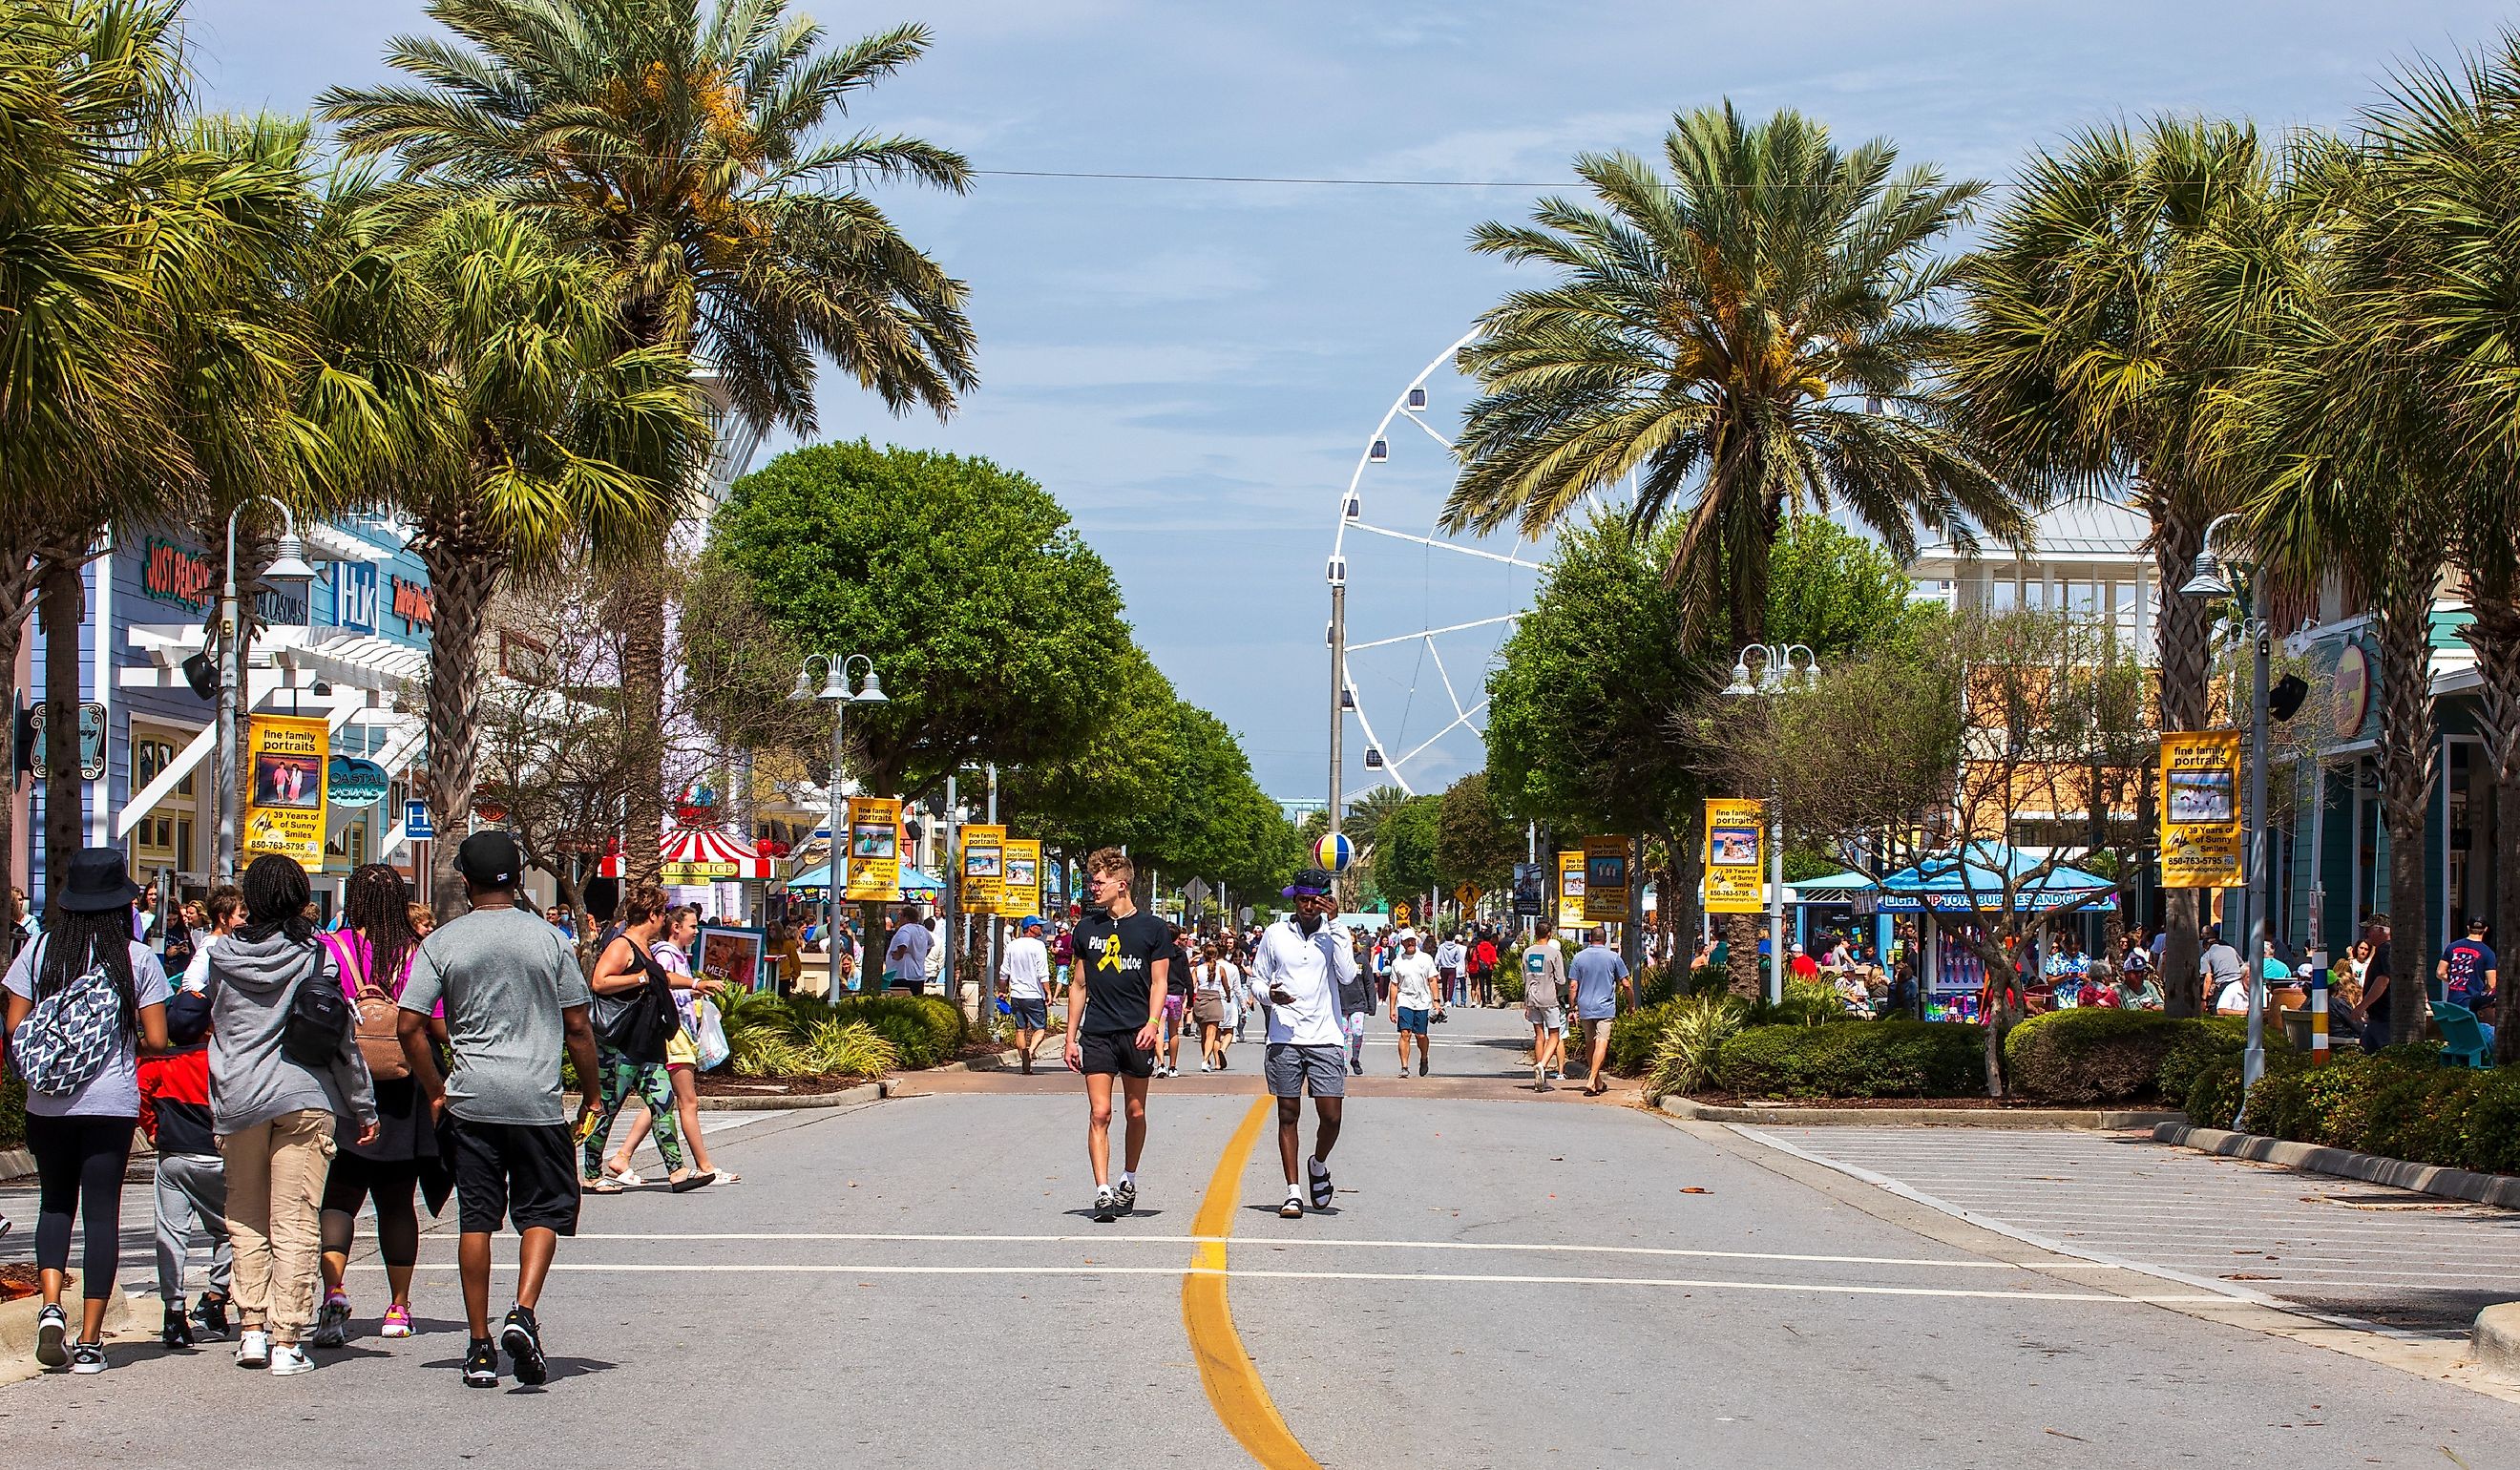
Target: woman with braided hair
[{"x": 372, "y": 949}]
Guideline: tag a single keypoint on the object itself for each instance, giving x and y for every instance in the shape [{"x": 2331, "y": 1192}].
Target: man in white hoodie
[{"x": 1298, "y": 970}]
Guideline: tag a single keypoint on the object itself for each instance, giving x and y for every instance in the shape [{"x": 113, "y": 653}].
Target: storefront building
[{"x": 350, "y": 646}]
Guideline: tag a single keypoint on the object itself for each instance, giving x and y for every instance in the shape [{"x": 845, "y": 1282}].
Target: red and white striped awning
[{"x": 700, "y": 856}]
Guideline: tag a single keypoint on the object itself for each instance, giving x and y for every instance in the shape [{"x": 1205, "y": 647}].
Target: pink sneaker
[{"x": 397, "y": 1321}]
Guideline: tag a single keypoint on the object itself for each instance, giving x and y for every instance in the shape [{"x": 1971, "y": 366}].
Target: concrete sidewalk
[{"x": 2388, "y": 1258}]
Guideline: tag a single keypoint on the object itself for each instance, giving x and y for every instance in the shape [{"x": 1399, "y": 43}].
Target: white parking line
[
  {"x": 1819, "y": 1288},
  {"x": 1248, "y": 1242}
]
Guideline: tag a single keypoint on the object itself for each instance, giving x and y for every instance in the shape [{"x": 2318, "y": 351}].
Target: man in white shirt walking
[
  {"x": 1298, "y": 970},
  {"x": 1414, "y": 1001},
  {"x": 905, "y": 955},
  {"x": 1024, "y": 979}
]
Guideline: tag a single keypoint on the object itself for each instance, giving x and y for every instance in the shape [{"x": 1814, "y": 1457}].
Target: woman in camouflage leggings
[{"x": 627, "y": 964}]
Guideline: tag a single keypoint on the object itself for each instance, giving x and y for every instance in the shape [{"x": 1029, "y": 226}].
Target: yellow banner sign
[
  {"x": 1605, "y": 880},
  {"x": 284, "y": 810},
  {"x": 874, "y": 849},
  {"x": 1019, "y": 890},
  {"x": 1571, "y": 890},
  {"x": 1736, "y": 857},
  {"x": 2200, "y": 808},
  {"x": 984, "y": 867}
]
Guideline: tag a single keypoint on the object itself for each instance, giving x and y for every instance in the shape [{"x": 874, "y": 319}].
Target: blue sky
[{"x": 1194, "y": 369}]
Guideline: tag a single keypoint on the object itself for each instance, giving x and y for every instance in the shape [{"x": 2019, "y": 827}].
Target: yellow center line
[{"x": 1233, "y": 1387}]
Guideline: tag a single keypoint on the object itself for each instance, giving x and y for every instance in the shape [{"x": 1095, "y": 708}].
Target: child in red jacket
[{"x": 192, "y": 1178}]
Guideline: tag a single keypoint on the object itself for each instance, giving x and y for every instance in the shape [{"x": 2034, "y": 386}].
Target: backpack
[
  {"x": 319, "y": 1020},
  {"x": 376, "y": 1021},
  {"x": 636, "y": 1023},
  {"x": 69, "y": 1036}
]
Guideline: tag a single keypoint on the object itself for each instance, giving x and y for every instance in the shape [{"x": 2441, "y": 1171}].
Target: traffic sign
[{"x": 416, "y": 825}]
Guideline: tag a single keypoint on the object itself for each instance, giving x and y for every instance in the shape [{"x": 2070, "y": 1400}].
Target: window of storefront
[{"x": 163, "y": 839}]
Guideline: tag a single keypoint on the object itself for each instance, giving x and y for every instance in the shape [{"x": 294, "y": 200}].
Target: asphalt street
[{"x": 1504, "y": 1280}]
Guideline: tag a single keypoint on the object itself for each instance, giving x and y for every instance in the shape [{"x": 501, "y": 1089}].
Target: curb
[
  {"x": 772, "y": 1102},
  {"x": 2496, "y": 1340},
  {"x": 1011, "y": 1056},
  {"x": 1787, "y": 1115},
  {"x": 2498, "y": 1189},
  {"x": 16, "y": 1163},
  {"x": 17, "y": 1329}
]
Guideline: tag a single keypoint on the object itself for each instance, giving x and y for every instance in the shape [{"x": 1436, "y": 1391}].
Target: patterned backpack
[{"x": 69, "y": 1036}]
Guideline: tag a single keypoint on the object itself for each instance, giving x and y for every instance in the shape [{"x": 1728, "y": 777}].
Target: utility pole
[
  {"x": 989, "y": 976},
  {"x": 949, "y": 896},
  {"x": 1338, "y": 689}
]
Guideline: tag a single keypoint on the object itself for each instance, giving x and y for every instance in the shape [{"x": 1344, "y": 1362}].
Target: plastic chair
[{"x": 2462, "y": 1038}]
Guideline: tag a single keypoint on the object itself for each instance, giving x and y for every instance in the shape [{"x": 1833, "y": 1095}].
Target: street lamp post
[
  {"x": 836, "y": 687},
  {"x": 1777, "y": 672},
  {"x": 289, "y": 566},
  {"x": 2208, "y": 580}
]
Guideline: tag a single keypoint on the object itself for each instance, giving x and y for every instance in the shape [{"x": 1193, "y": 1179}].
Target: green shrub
[
  {"x": 2091, "y": 1055},
  {"x": 1895, "y": 1058},
  {"x": 2207, "y": 1040},
  {"x": 1804, "y": 1003},
  {"x": 1707, "y": 979},
  {"x": 1657, "y": 983},
  {"x": 1507, "y": 980},
  {"x": 773, "y": 1036},
  {"x": 2213, "y": 1095},
  {"x": 1635, "y": 1035},
  {"x": 1689, "y": 1056},
  {"x": 13, "y": 1113}
]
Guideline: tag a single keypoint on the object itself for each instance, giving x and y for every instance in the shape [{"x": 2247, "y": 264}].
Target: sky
[{"x": 1195, "y": 369}]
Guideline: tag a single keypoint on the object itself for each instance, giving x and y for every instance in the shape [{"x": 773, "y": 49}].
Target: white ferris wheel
[{"x": 1418, "y": 618}]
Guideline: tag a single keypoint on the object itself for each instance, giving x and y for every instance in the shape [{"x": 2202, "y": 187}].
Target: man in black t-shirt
[
  {"x": 2378, "y": 978},
  {"x": 1118, "y": 979}
]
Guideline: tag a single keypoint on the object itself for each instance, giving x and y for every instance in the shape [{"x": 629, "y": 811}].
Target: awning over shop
[
  {"x": 695, "y": 856},
  {"x": 1944, "y": 883}
]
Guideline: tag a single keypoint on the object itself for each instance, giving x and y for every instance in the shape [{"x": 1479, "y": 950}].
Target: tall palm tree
[
  {"x": 2095, "y": 339},
  {"x": 132, "y": 241},
  {"x": 1752, "y": 334},
  {"x": 2389, "y": 402},
  {"x": 476, "y": 371},
  {"x": 681, "y": 145}
]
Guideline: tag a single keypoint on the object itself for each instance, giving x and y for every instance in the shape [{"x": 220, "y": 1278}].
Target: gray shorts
[
  {"x": 1547, "y": 1017},
  {"x": 1291, "y": 1067}
]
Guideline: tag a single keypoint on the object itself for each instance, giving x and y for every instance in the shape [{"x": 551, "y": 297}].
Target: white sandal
[{"x": 627, "y": 1178}]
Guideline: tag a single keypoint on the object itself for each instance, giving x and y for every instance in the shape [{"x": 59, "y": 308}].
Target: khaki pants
[{"x": 275, "y": 1190}]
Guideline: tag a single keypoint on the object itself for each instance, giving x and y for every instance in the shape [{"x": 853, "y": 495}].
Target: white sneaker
[
  {"x": 253, "y": 1349},
  {"x": 1205, "y": 1067},
  {"x": 288, "y": 1359}
]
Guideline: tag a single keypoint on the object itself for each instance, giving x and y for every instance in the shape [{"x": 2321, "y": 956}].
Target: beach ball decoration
[{"x": 1335, "y": 852}]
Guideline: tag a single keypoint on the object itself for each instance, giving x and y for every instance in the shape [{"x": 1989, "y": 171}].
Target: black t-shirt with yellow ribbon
[{"x": 1118, "y": 957}]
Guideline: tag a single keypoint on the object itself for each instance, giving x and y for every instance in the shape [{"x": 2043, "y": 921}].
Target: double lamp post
[
  {"x": 836, "y": 688},
  {"x": 1779, "y": 670}
]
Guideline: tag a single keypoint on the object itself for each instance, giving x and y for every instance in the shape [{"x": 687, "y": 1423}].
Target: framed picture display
[{"x": 732, "y": 956}]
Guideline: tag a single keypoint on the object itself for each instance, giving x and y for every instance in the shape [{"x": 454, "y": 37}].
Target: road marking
[
  {"x": 1217, "y": 1276},
  {"x": 1233, "y": 1388},
  {"x": 1310, "y": 1242}
]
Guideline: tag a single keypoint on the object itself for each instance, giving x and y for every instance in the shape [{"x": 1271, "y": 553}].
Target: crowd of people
[{"x": 293, "y": 1075}]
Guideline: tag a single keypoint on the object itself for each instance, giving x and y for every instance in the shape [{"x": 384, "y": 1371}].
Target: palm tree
[
  {"x": 2095, "y": 339},
  {"x": 2387, "y": 403},
  {"x": 1752, "y": 336},
  {"x": 133, "y": 246},
  {"x": 478, "y": 374},
  {"x": 680, "y": 149}
]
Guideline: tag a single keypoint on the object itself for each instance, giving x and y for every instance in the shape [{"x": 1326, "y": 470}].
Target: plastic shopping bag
[{"x": 710, "y": 1038}]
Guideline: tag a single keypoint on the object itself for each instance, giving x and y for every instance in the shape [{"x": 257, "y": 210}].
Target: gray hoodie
[{"x": 251, "y": 1081}]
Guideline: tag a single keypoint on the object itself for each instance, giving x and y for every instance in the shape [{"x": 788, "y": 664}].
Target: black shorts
[
  {"x": 524, "y": 1172},
  {"x": 354, "y": 1180},
  {"x": 1115, "y": 1053}
]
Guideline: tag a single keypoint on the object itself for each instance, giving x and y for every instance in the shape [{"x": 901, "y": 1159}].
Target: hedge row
[
  {"x": 1895, "y": 1058},
  {"x": 2102, "y": 1056},
  {"x": 923, "y": 1030},
  {"x": 2399, "y": 1104}
]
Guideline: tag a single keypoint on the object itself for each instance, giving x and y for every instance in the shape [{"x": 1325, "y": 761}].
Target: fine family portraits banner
[
  {"x": 2200, "y": 811},
  {"x": 283, "y": 813}
]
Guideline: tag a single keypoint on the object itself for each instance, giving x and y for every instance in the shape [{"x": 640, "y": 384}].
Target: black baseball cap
[
  {"x": 490, "y": 859},
  {"x": 1312, "y": 883}
]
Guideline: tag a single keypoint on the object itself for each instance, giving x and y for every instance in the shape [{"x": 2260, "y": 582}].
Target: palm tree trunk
[
  {"x": 2180, "y": 635},
  {"x": 1741, "y": 955},
  {"x": 17, "y": 585},
  {"x": 64, "y": 608},
  {"x": 2496, "y": 636},
  {"x": 2408, "y": 768},
  {"x": 643, "y": 695},
  {"x": 461, "y": 584}
]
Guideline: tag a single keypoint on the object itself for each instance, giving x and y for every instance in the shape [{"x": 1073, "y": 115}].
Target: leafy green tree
[
  {"x": 1581, "y": 730},
  {"x": 996, "y": 629},
  {"x": 1836, "y": 592},
  {"x": 1403, "y": 849},
  {"x": 2103, "y": 317},
  {"x": 681, "y": 143},
  {"x": 1475, "y": 841},
  {"x": 1219, "y": 824},
  {"x": 1752, "y": 334},
  {"x": 1114, "y": 787}
]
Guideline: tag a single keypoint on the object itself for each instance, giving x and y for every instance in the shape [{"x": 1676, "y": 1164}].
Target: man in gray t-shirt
[{"x": 516, "y": 1003}]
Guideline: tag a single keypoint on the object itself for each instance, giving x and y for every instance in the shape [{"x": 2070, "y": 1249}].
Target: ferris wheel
[{"x": 1418, "y": 618}]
